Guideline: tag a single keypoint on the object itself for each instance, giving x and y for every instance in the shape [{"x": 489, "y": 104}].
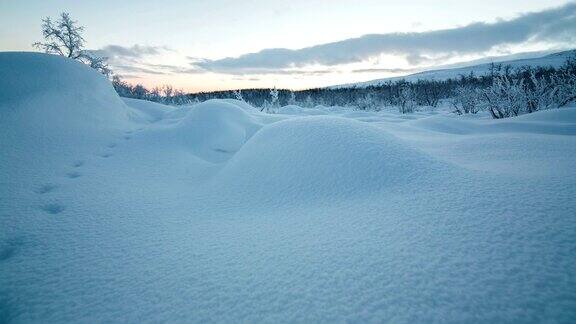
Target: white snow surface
[{"x": 119, "y": 210}]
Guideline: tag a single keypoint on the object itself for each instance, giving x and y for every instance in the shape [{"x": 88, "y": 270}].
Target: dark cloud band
[{"x": 554, "y": 26}]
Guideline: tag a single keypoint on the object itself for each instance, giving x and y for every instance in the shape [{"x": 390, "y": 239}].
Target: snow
[
  {"x": 321, "y": 157},
  {"x": 214, "y": 130},
  {"x": 122, "y": 210},
  {"x": 148, "y": 110}
]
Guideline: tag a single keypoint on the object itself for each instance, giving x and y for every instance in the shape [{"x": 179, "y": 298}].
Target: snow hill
[
  {"x": 120, "y": 210},
  {"x": 478, "y": 67}
]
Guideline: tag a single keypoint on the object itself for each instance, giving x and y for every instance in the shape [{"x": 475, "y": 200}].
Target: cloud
[
  {"x": 172, "y": 69},
  {"x": 282, "y": 72},
  {"x": 157, "y": 69},
  {"x": 133, "y": 60},
  {"x": 553, "y": 26},
  {"x": 137, "y": 69},
  {"x": 129, "y": 76},
  {"x": 197, "y": 66},
  {"x": 385, "y": 70},
  {"x": 240, "y": 78},
  {"x": 135, "y": 51}
]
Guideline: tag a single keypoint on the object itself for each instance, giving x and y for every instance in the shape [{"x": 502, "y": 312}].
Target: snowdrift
[
  {"x": 148, "y": 110},
  {"x": 318, "y": 156},
  {"x": 56, "y": 92},
  {"x": 214, "y": 130},
  {"x": 297, "y": 110},
  {"x": 53, "y": 110},
  {"x": 45, "y": 99}
]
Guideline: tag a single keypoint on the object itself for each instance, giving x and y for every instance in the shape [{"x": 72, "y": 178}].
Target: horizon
[{"x": 209, "y": 55}]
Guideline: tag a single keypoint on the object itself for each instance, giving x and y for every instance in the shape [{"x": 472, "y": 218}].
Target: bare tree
[
  {"x": 429, "y": 94},
  {"x": 167, "y": 91}
]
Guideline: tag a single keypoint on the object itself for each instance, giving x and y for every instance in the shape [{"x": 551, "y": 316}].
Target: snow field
[{"x": 121, "y": 210}]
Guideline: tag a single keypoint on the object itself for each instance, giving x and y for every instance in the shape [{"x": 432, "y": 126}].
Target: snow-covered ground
[{"x": 119, "y": 210}]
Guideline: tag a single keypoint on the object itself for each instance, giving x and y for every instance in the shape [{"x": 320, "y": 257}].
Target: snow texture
[{"x": 119, "y": 210}]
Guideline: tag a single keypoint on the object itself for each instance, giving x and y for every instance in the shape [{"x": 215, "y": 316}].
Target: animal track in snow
[
  {"x": 73, "y": 175},
  {"x": 111, "y": 145},
  {"x": 45, "y": 188},
  {"x": 9, "y": 247},
  {"x": 106, "y": 155},
  {"x": 53, "y": 208},
  {"x": 127, "y": 137},
  {"x": 78, "y": 164}
]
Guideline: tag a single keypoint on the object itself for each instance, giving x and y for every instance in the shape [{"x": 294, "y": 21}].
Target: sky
[{"x": 225, "y": 44}]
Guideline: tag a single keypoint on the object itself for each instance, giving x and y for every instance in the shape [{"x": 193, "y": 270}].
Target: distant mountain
[{"x": 478, "y": 67}]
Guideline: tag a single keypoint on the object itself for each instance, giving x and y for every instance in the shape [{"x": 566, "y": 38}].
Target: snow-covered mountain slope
[
  {"x": 478, "y": 67},
  {"x": 121, "y": 210}
]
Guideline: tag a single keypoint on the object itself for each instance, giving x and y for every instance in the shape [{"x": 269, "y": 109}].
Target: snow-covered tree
[
  {"x": 367, "y": 102},
  {"x": 64, "y": 37},
  {"x": 565, "y": 81},
  {"x": 466, "y": 100},
  {"x": 506, "y": 97},
  {"x": 274, "y": 97},
  {"x": 238, "y": 95},
  {"x": 406, "y": 100},
  {"x": 265, "y": 106},
  {"x": 309, "y": 102},
  {"x": 272, "y": 105},
  {"x": 292, "y": 99},
  {"x": 155, "y": 94},
  {"x": 98, "y": 63},
  {"x": 541, "y": 93}
]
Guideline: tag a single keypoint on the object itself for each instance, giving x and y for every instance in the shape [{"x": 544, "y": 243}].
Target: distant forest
[{"x": 504, "y": 92}]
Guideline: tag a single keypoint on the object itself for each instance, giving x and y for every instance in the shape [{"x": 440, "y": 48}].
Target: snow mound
[
  {"x": 53, "y": 110},
  {"x": 562, "y": 115},
  {"x": 241, "y": 104},
  {"x": 214, "y": 130},
  {"x": 290, "y": 110},
  {"x": 297, "y": 110},
  {"x": 313, "y": 156},
  {"x": 148, "y": 110},
  {"x": 57, "y": 90}
]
